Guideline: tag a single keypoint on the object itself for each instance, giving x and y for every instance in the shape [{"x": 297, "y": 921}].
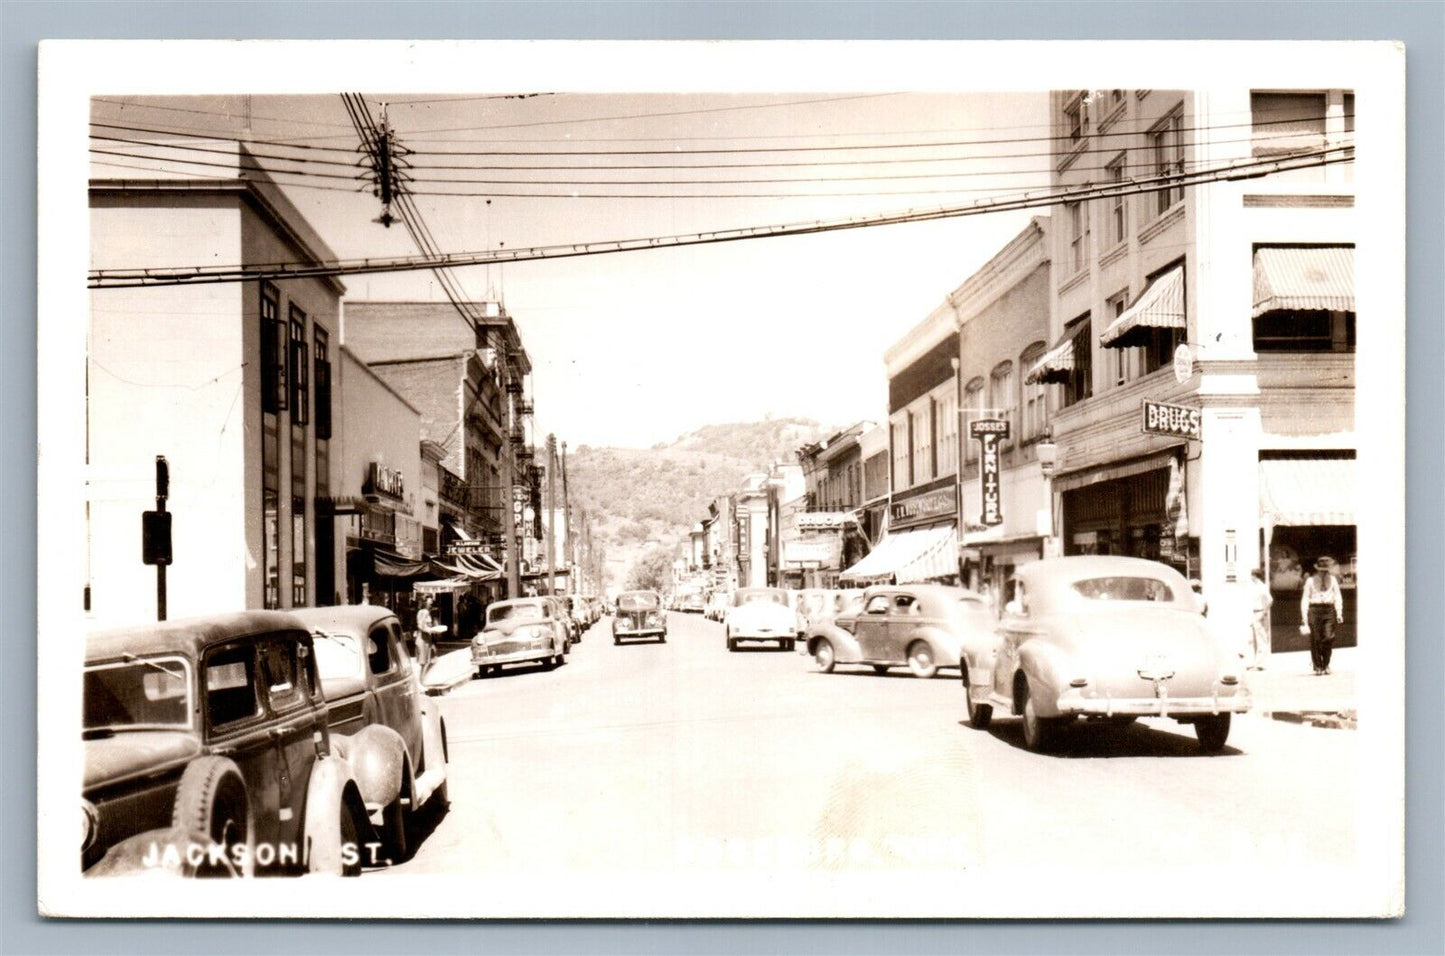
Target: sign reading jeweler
[
  {"x": 1177, "y": 421},
  {"x": 989, "y": 432}
]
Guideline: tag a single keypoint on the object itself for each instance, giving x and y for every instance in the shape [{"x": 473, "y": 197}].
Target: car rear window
[
  {"x": 1122, "y": 588},
  {"x": 637, "y": 602},
  {"x": 515, "y": 612},
  {"x": 760, "y": 595}
]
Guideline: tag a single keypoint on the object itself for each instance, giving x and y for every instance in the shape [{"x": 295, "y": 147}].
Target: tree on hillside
[{"x": 651, "y": 571}]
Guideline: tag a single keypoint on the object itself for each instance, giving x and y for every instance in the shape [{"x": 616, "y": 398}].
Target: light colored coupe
[
  {"x": 1105, "y": 638},
  {"x": 762, "y": 614},
  {"x": 922, "y": 626},
  {"x": 524, "y": 629}
]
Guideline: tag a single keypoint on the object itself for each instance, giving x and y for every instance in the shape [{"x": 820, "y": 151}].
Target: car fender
[
  {"x": 433, "y": 749},
  {"x": 845, "y": 645},
  {"x": 378, "y": 758},
  {"x": 1044, "y": 666},
  {"x": 330, "y": 788},
  {"x": 979, "y": 657}
]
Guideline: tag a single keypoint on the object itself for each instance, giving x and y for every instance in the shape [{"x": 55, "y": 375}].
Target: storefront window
[
  {"x": 271, "y": 531},
  {"x": 298, "y": 552}
]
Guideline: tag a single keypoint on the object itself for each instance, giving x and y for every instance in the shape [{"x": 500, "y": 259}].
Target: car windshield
[
  {"x": 337, "y": 655},
  {"x": 515, "y": 612},
  {"x": 811, "y": 604},
  {"x": 644, "y": 601},
  {"x": 148, "y": 693},
  {"x": 1122, "y": 588},
  {"x": 760, "y": 596}
]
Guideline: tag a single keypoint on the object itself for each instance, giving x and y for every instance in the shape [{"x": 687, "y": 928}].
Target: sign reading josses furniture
[
  {"x": 1178, "y": 421},
  {"x": 989, "y": 432}
]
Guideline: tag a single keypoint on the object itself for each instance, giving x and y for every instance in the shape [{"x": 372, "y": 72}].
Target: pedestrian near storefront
[
  {"x": 1322, "y": 606},
  {"x": 1261, "y": 602},
  {"x": 427, "y": 629}
]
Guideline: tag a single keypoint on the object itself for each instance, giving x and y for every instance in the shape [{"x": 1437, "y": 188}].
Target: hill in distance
[{"x": 643, "y": 498}]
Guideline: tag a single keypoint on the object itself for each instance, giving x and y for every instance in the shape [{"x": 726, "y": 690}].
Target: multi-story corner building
[
  {"x": 921, "y": 540},
  {"x": 230, "y": 382},
  {"x": 469, "y": 381},
  {"x": 1002, "y": 312},
  {"x": 1232, "y": 302},
  {"x": 873, "y": 512}
]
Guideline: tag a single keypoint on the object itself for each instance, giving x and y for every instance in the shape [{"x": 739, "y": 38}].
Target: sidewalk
[{"x": 1287, "y": 689}]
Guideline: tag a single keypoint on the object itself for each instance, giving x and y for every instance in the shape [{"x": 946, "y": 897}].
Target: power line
[{"x": 124, "y": 278}]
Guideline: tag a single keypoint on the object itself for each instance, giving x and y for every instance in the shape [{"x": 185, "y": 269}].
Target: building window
[
  {"x": 948, "y": 433},
  {"x": 300, "y": 374},
  {"x": 1078, "y": 235},
  {"x": 972, "y": 411},
  {"x": 1286, "y": 123},
  {"x": 298, "y": 552},
  {"x": 323, "y": 385},
  {"x": 900, "y": 454},
  {"x": 1081, "y": 380},
  {"x": 1035, "y": 396},
  {"x": 273, "y": 351},
  {"x": 273, "y": 393},
  {"x": 1127, "y": 362},
  {"x": 1074, "y": 116},
  {"x": 271, "y": 545},
  {"x": 921, "y": 443},
  {"x": 1166, "y": 148},
  {"x": 1116, "y": 205},
  {"x": 1304, "y": 331},
  {"x": 1116, "y": 97},
  {"x": 1001, "y": 397}
]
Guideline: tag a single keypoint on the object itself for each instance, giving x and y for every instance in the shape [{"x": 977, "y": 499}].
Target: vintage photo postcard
[{"x": 754, "y": 480}]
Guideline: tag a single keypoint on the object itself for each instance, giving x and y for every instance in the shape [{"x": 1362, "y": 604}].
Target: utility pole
[
  {"x": 511, "y": 545},
  {"x": 551, "y": 514},
  {"x": 567, "y": 527},
  {"x": 156, "y": 534}
]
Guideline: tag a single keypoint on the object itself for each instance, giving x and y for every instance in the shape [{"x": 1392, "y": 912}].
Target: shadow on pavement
[{"x": 1098, "y": 739}]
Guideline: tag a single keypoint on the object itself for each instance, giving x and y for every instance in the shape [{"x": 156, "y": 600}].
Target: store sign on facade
[
  {"x": 1176, "y": 421},
  {"x": 818, "y": 552},
  {"x": 935, "y": 504},
  {"x": 822, "y": 520},
  {"x": 383, "y": 482},
  {"x": 473, "y": 547},
  {"x": 989, "y": 432}
]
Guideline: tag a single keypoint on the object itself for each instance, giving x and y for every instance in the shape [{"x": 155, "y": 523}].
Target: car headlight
[{"x": 90, "y": 825}]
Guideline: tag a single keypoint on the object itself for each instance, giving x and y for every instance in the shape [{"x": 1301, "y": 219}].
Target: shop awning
[
  {"x": 392, "y": 565},
  {"x": 457, "y": 529},
  {"x": 1319, "y": 278},
  {"x": 1055, "y": 367},
  {"x": 908, "y": 556},
  {"x": 1160, "y": 306},
  {"x": 1307, "y": 491},
  {"x": 475, "y": 567},
  {"x": 441, "y": 587}
]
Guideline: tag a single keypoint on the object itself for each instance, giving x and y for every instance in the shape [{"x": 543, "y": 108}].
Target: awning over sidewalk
[
  {"x": 442, "y": 587},
  {"x": 1307, "y": 491},
  {"x": 1317, "y": 278},
  {"x": 908, "y": 556},
  {"x": 1160, "y": 306},
  {"x": 1055, "y": 367}
]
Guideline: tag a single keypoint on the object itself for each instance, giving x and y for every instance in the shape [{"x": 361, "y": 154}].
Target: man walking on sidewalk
[
  {"x": 1260, "y": 600},
  {"x": 1322, "y": 606}
]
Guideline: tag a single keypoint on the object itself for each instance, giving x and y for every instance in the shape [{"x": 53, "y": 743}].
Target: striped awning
[
  {"x": 906, "y": 557},
  {"x": 1160, "y": 306},
  {"x": 1307, "y": 491},
  {"x": 1055, "y": 367},
  {"x": 1317, "y": 279}
]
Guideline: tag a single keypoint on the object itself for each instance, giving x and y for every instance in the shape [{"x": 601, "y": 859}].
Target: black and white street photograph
[{"x": 744, "y": 480}]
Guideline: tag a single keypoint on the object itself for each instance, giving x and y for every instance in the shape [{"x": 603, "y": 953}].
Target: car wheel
[
  {"x": 920, "y": 660},
  {"x": 395, "y": 824},
  {"x": 1213, "y": 731},
  {"x": 880, "y": 668},
  {"x": 617, "y": 640},
  {"x": 211, "y": 800},
  {"x": 732, "y": 644},
  {"x": 979, "y": 714},
  {"x": 823, "y": 656},
  {"x": 1039, "y": 732}
]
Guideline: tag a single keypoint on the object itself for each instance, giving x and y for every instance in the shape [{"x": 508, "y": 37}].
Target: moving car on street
[
  {"x": 519, "y": 631},
  {"x": 920, "y": 626},
  {"x": 1106, "y": 638},
  {"x": 762, "y": 614},
  {"x": 691, "y": 601},
  {"x": 207, "y": 753},
  {"x": 390, "y": 732},
  {"x": 639, "y": 614},
  {"x": 718, "y": 603}
]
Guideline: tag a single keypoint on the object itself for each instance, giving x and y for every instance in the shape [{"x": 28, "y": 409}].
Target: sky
[{"x": 636, "y": 348}]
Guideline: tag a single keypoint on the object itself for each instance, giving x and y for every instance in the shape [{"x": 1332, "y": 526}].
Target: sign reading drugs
[
  {"x": 989, "y": 432},
  {"x": 1177, "y": 421}
]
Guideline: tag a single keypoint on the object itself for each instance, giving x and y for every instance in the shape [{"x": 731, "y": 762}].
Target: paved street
[{"x": 681, "y": 756}]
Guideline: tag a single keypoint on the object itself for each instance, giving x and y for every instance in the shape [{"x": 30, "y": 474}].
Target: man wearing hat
[{"x": 1322, "y": 606}]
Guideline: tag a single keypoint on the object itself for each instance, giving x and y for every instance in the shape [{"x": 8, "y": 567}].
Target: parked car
[
  {"x": 390, "y": 732},
  {"x": 1105, "y": 638},
  {"x": 207, "y": 753},
  {"x": 639, "y": 614},
  {"x": 691, "y": 602},
  {"x": 521, "y": 630},
  {"x": 562, "y": 611},
  {"x": 717, "y": 606},
  {"x": 762, "y": 614},
  {"x": 920, "y": 626}
]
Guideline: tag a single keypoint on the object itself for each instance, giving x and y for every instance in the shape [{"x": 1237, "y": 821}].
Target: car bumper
[
  {"x": 645, "y": 632},
  {"x": 1152, "y": 706},
  {"x": 511, "y": 657},
  {"x": 766, "y": 635}
]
